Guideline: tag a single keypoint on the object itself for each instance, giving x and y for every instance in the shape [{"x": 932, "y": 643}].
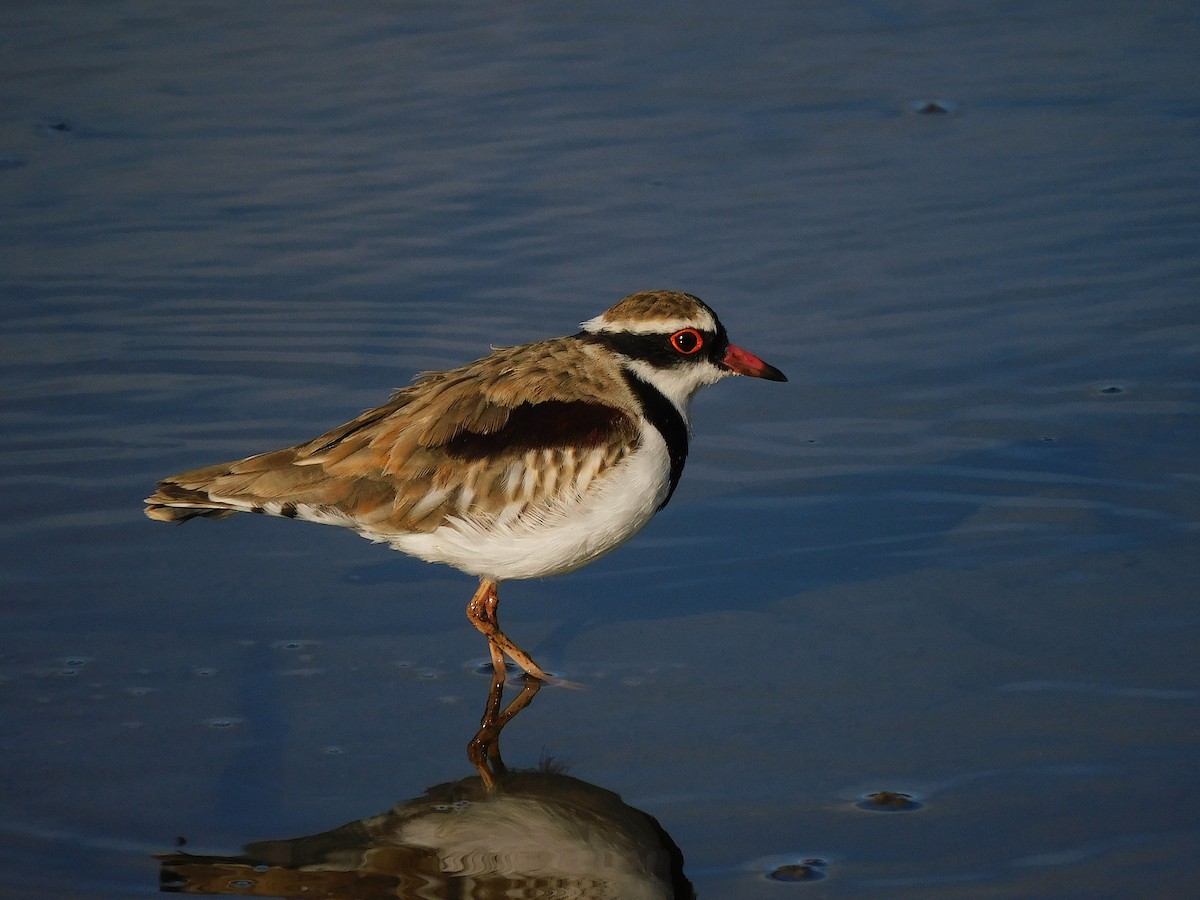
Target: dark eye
[{"x": 687, "y": 341}]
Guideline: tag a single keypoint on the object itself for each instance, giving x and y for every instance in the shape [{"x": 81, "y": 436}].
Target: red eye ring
[{"x": 687, "y": 341}]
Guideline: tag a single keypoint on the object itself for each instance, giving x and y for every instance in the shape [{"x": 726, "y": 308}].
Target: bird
[{"x": 529, "y": 462}]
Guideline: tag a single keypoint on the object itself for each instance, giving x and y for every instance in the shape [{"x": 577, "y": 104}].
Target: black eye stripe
[{"x": 656, "y": 348}]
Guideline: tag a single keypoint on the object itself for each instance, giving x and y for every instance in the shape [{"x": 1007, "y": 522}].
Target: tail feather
[
  {"x": 173, "y": 502},
  {"x": 178, "y": 514},
  {"x": 270, "y": 483},
  {"x": 293, "y": 485}
]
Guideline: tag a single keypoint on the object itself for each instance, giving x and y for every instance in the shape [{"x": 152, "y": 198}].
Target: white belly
[{"x": 612, "y": 509}]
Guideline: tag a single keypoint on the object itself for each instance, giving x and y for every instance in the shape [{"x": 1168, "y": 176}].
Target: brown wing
[{"x": 505, "y": 433}]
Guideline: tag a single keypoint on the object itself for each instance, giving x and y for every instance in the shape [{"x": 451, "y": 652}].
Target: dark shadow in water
[{"x": 499, "y": 833}]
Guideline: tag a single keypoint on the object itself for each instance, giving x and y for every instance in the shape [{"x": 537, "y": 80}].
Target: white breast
[{"x": 569, "y": 534}]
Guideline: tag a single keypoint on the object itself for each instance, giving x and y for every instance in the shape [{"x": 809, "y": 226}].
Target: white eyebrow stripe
[{"x": 653, "y": 326}]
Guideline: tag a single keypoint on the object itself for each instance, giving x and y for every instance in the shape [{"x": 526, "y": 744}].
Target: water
[{"x": 954, "y": 558}]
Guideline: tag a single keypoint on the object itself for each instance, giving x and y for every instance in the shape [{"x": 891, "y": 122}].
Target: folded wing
[{"x": 504, "y": 436}]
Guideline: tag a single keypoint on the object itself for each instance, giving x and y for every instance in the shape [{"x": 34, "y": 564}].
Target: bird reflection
[{"x": 501, "y": 833}]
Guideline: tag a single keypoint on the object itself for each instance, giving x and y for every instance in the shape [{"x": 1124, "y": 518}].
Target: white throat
[{"x": 678, "y": 384}]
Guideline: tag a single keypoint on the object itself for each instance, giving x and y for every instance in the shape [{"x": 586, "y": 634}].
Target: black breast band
[{"x": 662, "y": 414}]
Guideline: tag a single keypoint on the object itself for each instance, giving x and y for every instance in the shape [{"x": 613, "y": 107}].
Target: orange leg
[{"x": 482, "y": 613}]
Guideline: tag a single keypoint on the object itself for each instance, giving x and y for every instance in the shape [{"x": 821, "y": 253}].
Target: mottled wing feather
[{"x": 505, "y": 434}]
